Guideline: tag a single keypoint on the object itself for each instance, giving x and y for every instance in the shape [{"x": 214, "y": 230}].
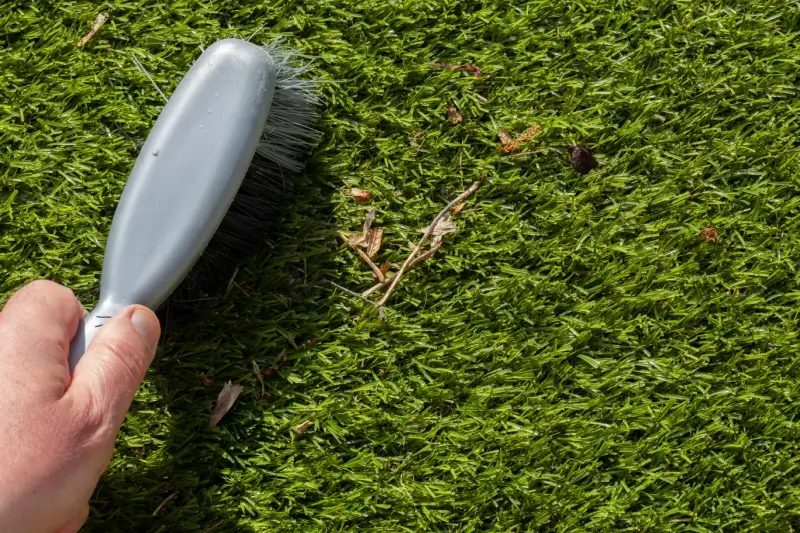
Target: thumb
[{"x": 115, "y": 363}]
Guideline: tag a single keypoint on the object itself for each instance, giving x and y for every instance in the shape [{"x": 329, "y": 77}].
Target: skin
[{"x": 57, "y": 431}]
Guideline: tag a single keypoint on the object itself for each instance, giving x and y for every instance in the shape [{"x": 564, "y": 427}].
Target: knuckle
[{"x": 47, "y": 287}]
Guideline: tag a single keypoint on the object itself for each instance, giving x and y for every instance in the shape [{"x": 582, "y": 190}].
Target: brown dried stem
[
  {"x": 385, "y": 283},
  {"x": 397, "y": 277}
]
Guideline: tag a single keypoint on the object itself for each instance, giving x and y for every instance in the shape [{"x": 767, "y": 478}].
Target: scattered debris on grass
[
  {"x": 367, "y": 244},
  {"x": 271, "y": 372},
  {"x": 476, "y": 71},
  {"x": 430, "y": 229},
  {"x": 205, "y": 381},
  {"x": 710, "y": 234},
  {"x": 510, "y": 144},
  {"x": 359, "y": 194},
  {"x": 373, "y": 242},
  {"x": 458, "y": 208},
  {"x": 96, "y": 25},
  {"x": 302, "y": 428},
  {"x": 582, "y": 159},
  {"x": 443, "y": 227},
  {"x": 384, "y": 269},
  {"x": 419, "y": 259},
  {"x": 452, "y": 114},
  {"x": 283, "y": 358},
  {"x": 257, "y": 372},
  {"x": 163, "y": 503},
  {"x": 506, "y": 141},
  {"x": 227, "y": 397}
]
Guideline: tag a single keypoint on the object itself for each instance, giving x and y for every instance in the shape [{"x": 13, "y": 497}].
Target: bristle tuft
[{"x": 287, "y": 138}]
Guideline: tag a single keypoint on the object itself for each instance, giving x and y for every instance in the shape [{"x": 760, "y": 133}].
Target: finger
[
  {"x": 107, "y": 376},
  {"x": 37, "y": 325}
]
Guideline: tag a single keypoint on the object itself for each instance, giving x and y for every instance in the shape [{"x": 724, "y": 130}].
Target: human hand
[{"x": 57, "y": 431}]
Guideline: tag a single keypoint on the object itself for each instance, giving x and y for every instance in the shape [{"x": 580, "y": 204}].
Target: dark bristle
[{"x": 288, "y": 136}]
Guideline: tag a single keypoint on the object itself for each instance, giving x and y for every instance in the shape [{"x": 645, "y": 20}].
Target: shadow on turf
[{"x": 172, "y": 487}]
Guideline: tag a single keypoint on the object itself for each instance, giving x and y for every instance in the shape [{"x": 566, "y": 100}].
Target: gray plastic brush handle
[{"x": 184, "y": 180}]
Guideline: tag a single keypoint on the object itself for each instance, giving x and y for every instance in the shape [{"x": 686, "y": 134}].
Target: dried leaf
[
  {"x": 271, "y": 372},
  {"x": 257, "y": 372},
  {"x": 384, "y": 269},
  {"x": 458, "y": 208},
  {"x": 452, "y": 114},
  {"x": 530, "y": 133},
  {"x": 582, "y": 159},
  {"x": 302, "y": 428},
  {"x": 477, "y": 72},
  {"x": 358, "y": 239},
  {"x": 507, "y": 143},
  {"x": 444, "y": 226},
  {"x": 227, "y": 397},
  {"x": 359, "y": 194},
  {"x": 96, "y": 25},
  {"x": 710, "y": 234},
  {"x": 505, "y": 137},
  {"x": 205, "y": 381},
  {"x": 372, "y": 244},
  {"x": 368, "y": 222}
]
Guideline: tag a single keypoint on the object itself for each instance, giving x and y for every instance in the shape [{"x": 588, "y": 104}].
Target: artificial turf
[{"x": 580, "y": 356}]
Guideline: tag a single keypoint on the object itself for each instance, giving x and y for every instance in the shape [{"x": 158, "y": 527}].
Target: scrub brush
[{"x": 212, "y": 175}]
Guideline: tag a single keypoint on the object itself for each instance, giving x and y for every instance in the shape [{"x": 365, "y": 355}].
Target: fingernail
[{"x": 147, "y": 326}]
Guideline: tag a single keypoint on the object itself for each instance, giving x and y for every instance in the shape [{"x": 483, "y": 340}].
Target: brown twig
[
  {"x": 385, "y": 283},
  {"x": 396, "y": 278},
  {"x": 375, "y": 268}
]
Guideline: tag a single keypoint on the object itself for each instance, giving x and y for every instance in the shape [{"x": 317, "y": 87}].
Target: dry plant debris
[
  {"x": 710, "y": 234},
  {"x": 227, "y": 397},
  {"x": 440, "y": 226},
  {"x": 367, "y": 244},
  {"x": 302, "y": 428},
  {"x": 96, "y": 25},
  {"x": 453, "y": 115},
  {"x": 427, "y": 234},
  {"x": 359, "y": 194},
  {"x": 257, "y": 372},
  {"x": 510, "y": 144},
  {"x": 444, "y": 226},
  {"x": 476, "y": 71}
]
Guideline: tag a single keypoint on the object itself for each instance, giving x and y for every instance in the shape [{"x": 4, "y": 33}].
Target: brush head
[{"x": 287, "y": 138}]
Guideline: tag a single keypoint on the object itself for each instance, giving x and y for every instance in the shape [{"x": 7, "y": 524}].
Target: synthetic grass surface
[{"x": 576, "y": 358}]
